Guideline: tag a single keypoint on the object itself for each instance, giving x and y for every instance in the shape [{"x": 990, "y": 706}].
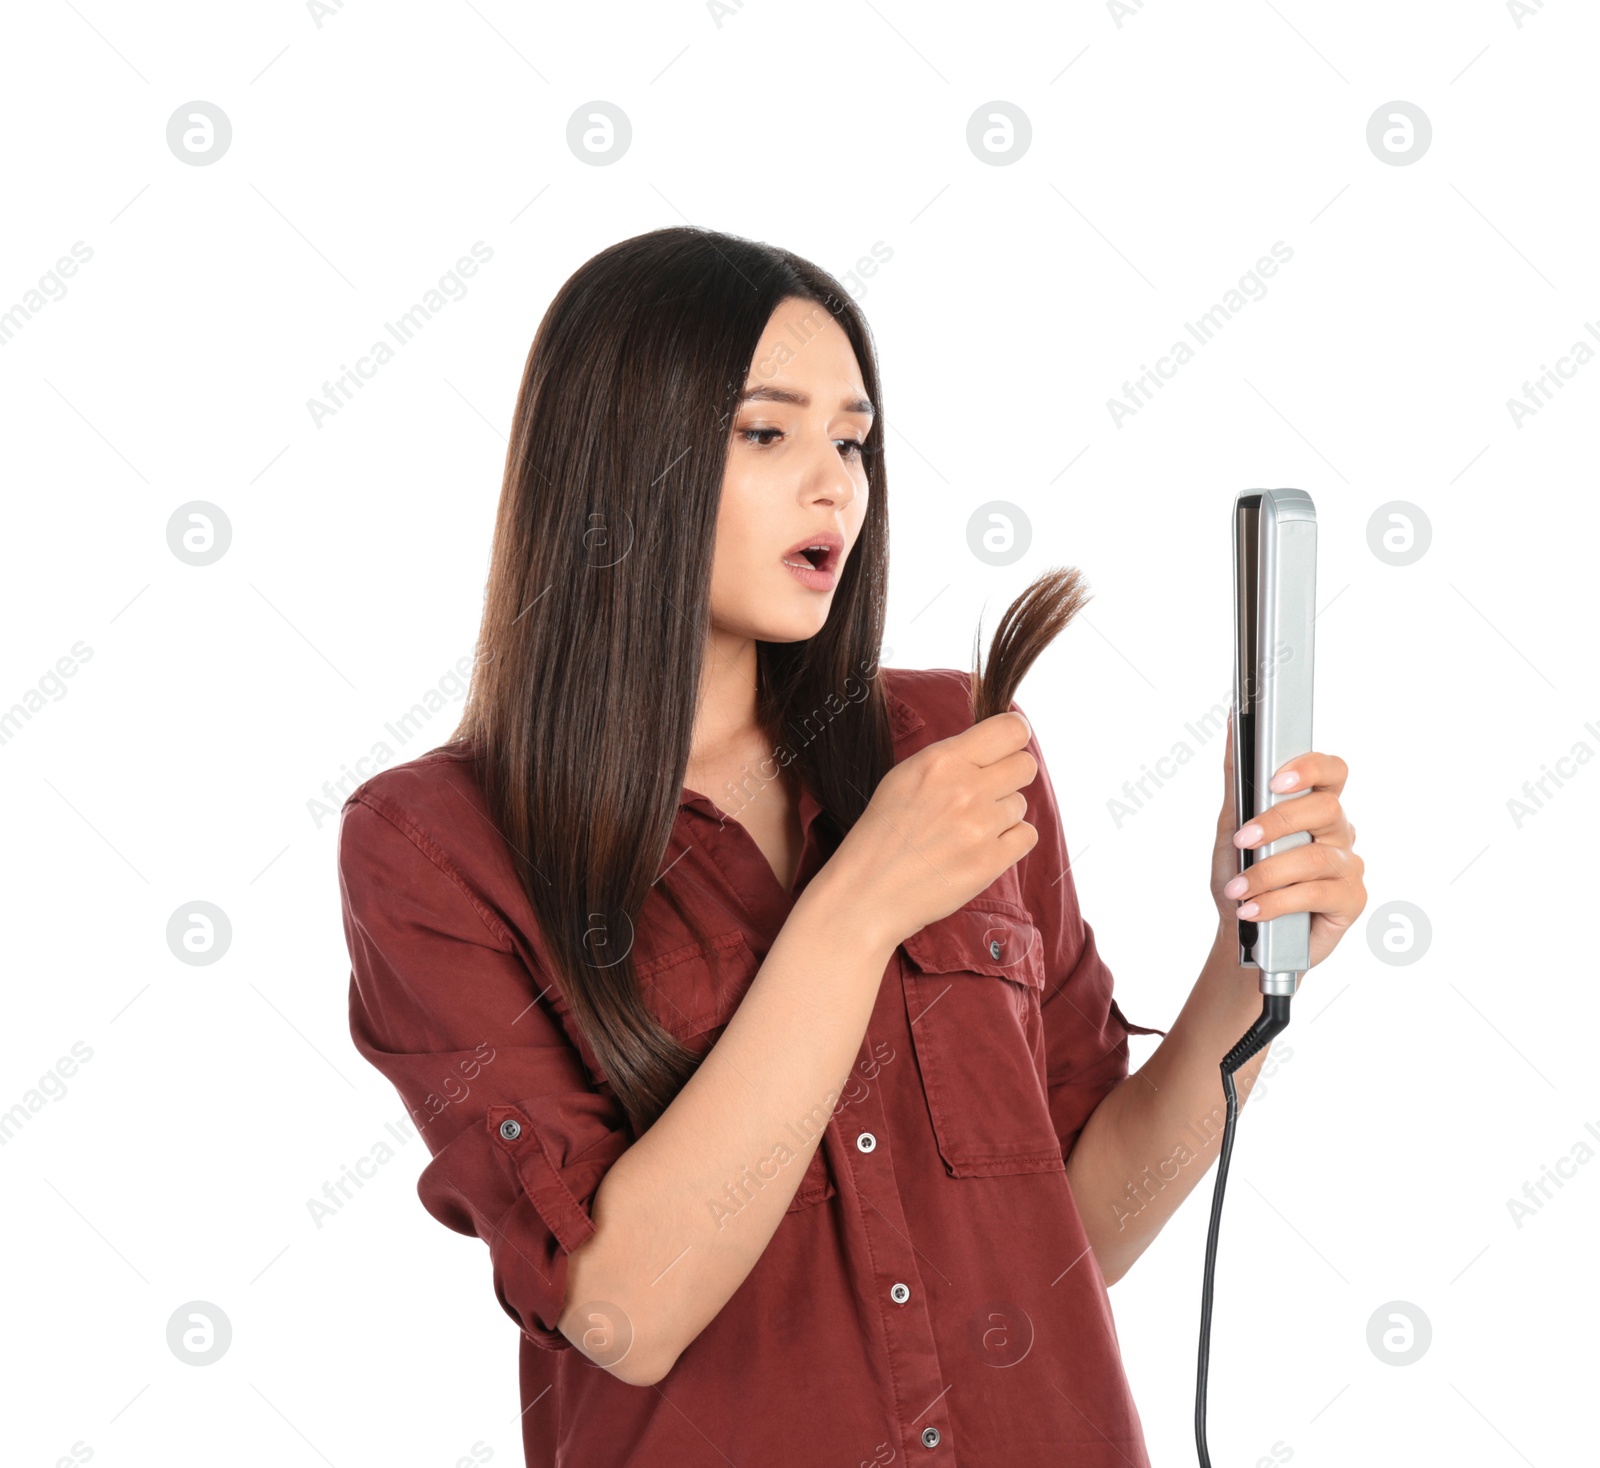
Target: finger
[
  {"x": 994, "y": 738},
  {"x": 1318, "y": 812},
  {"x": 1013, "y": 772},
  {"x": 1311, "y": 771},
  {"x": 1330, "y": 898},
  {"x": 1315, "y": 861},
  {"x": 1225, "y": 814}
]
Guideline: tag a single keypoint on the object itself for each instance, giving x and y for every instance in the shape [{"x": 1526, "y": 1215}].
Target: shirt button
[
  {"x": 994, "y": 952},
  {"x": 900, "y": 1293},
  {"x": 930, "y": 1437},
  {"x": 866, "y": 1142},
  {"x": 510, "y": 1129}
]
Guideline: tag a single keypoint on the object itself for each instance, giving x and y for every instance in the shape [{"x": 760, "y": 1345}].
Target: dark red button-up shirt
[{"x": 930, "y": 1294}]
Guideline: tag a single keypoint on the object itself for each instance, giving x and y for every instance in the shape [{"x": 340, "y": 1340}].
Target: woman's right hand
[{"x": 942, "y": 825}]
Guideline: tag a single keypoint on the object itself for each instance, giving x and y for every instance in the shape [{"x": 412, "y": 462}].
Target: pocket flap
[
  {"x": 984, "y": 938},
  {"x": 692, "y": 989}
]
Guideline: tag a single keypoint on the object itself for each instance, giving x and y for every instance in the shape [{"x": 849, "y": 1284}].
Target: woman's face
[{"x": 795, "y": 478}]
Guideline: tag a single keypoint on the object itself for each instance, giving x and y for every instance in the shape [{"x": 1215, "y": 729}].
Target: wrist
[
  {"x": 1234, "y": 982},
  {"x": 842, "y": 903}
]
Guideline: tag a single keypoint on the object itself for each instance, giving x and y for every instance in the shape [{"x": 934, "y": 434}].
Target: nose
[{"x": 829, "y": 481}]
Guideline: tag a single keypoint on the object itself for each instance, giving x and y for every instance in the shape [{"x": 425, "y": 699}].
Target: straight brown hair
[{"x": 581, "y": 706}]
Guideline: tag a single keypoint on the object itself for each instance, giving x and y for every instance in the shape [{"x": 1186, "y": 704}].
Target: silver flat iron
[{"x": 1274, "y": 608}]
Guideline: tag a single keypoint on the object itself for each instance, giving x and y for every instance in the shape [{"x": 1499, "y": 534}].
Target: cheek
[{"x": 741, "y": 524}]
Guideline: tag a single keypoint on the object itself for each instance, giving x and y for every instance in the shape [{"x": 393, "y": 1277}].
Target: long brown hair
[{"x": 582, "y": 701}]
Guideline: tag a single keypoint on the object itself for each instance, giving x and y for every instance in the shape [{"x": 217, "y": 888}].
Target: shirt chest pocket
[
  {"x": 974, "y": 983},
  {"x": 693, "y": 991}
]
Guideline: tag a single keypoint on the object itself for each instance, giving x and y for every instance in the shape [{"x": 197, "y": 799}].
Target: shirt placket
[{"x": 865, "y": 1128}]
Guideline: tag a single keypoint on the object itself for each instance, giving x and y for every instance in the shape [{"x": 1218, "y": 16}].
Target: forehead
[{"x": 804, "y": 348}]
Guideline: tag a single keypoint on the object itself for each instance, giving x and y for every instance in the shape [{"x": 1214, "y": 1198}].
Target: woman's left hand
[{"x": 1322, "y": 876}]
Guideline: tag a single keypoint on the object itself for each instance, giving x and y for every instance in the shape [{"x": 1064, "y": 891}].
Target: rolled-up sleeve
[
  {"x": 1086, "y": 1033},
  {"x": 442, "y": 1003}
]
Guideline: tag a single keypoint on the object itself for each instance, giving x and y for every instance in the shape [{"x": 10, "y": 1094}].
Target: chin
[{"x": 797, "y": 627}]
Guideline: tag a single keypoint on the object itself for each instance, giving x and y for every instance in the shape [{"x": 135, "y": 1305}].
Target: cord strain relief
[{"x": 1273, "y": 1021}]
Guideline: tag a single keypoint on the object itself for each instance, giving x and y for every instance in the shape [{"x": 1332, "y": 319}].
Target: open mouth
[
  {"x": 815, "y": 558},
  {"x": 812, "y": 557}
]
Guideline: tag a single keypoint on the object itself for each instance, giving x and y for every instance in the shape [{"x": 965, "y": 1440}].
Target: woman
[{"x": 737, "y": 985}]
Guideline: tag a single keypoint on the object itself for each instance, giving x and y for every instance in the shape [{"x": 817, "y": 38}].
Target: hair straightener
[{"x": 1274, "y": 596}]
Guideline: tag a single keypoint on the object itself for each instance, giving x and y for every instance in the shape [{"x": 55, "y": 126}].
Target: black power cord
[{"x": 1274, "y": 1019}]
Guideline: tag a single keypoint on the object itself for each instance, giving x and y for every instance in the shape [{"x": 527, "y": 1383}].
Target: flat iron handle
[{"x": 1274, "y": 614}]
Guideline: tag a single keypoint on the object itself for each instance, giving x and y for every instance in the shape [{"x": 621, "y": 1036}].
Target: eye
[{"x": 852, "y": 449}]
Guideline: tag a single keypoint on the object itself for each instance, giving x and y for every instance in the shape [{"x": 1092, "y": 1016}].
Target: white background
[{"x": 182, "y": 760}]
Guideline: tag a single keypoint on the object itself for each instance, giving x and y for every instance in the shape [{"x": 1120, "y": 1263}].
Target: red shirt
[{"x": 930, "y": 1293}]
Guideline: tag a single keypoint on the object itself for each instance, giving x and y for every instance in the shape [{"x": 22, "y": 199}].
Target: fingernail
[
  {"x": 1236, "y": 886},
  {"x": 1286, "y": 781},
  {"x": 1248, "y": 836},
  {"x": 1249, "y": 910}
]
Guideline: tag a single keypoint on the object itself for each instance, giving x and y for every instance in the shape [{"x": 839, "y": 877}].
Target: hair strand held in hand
[{"x": 1029, "y": 625}]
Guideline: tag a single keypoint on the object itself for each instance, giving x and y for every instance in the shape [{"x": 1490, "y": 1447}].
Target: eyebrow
[{"x": 800, "y": 399}]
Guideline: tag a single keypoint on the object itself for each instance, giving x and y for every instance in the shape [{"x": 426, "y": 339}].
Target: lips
[{"x": 819, "y": 552}]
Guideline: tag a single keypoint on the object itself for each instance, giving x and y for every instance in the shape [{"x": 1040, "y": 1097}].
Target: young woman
[{"x": 738, "y": 985}]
